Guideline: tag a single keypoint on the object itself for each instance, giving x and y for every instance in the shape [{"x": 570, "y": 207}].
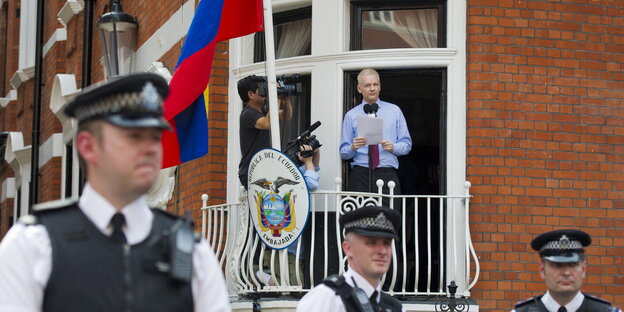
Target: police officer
[
  {"x": 109, "y": 251},
  {"x": 369, "y": 232},
  {"x": 563, "y": 267}
]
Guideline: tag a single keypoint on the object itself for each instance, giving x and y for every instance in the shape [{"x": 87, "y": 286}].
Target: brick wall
[{"x": 545, "y": 139}]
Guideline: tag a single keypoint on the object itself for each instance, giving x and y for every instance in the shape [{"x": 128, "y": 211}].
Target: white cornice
[
  {"x": 69, "y": 9},
  {"x": 52, "y": 147},
  {"x": 8, "y": 188},
  {"x": 11, "y": 96},
  {"x": 21, "y": 76},
  {"x": 165, "y": 37},
  {"x": 382, "y": 58},
  {"x": 59, "y": 35}
]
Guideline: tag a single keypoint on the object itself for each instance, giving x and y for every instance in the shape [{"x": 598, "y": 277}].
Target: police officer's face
[
  {"x": 369, "y": 86},
  {"x": 369, "y": 256},
  {"x": 125, "y": 162},
  {"x": 563, "y": 278}
]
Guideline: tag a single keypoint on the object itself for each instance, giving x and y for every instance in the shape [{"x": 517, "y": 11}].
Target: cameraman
[
  {"x": 254, "y": 123},
  {"x": 310, "y": 166}
]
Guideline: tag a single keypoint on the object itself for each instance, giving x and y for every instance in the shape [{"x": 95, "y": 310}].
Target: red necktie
[{"x": 373, "y": 150}]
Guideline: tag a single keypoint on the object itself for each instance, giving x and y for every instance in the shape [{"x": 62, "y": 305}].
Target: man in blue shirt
[{"x": 396, "y": 137}]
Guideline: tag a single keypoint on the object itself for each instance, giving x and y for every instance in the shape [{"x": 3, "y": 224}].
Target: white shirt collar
[
  {"x": 361, "y": 283},
  {"x": 100, "y": 211},
  {"x": 552, "y": 305}
]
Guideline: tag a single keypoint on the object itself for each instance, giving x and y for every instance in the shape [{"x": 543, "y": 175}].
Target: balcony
[{"x": 434, "y": 249}]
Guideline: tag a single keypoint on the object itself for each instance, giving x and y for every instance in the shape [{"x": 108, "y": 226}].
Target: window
[
  {"x": 300, "y": 121},
  {"x": 292, "y": 34},
  {"x": 405, "y": 24}
]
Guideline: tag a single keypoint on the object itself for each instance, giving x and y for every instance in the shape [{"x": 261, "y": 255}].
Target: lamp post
[{"x": 118, "y": 36}]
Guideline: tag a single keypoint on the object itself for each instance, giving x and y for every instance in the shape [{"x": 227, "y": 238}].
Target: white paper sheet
[{"x": 370, "y": 128}]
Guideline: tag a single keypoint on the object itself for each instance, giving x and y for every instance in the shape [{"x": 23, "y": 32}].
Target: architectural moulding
[
  {"x": 17, "y": 155},
  {"x": 160, "y": 193},
  {"x": 8, "y": 189},
  {"x": 21, "y": 76},
  {"x": 59, "y": 35},
  {"x": 163, "y": 39},
  {"x": 63, "y": 90},
  {"x": 11, "y": 96},
  {"x": 69, "y": 10},
  {"x": 52, "y": 147}
]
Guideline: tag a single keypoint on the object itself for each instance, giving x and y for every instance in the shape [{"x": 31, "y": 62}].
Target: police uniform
[
  {"x": 563, "y": 246},
  {"x": 336, "y": 293},
  {"x": 68, "y": 257}
]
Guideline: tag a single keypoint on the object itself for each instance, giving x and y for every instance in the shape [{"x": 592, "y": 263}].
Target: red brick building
[{"x": 524, "y": 99}]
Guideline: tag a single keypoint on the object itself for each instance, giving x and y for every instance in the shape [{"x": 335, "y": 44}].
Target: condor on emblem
[{"x": 278, "y": 198}]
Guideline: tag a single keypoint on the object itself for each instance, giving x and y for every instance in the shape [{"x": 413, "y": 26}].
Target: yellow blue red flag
[{"x": 186, "y": 107}]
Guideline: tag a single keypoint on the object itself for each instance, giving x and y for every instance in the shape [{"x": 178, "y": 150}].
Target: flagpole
[{"x": 270, "y": 72}]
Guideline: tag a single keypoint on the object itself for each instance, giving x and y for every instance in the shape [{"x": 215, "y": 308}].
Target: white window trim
[
  {"x": 165, "y": 37},
  {"x": 11, "y": 96},
  {"x": 8, "y": 189},
  {"x": 18, "y": 157},
  {"x": 28, "y": 18},
  {"x": 329, "y": 59},
  {"x": 63, "y": 91}
]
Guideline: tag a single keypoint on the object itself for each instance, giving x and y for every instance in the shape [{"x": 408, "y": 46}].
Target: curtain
[
  {"x": 418, "y": 28},
  {"x": 294, "y": 38}
]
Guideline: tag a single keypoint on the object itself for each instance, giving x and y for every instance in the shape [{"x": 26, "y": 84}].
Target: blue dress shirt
[{"x": 394, "y": 130}]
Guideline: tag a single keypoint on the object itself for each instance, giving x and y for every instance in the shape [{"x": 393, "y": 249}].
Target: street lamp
[{"x": 118, "y": 37}]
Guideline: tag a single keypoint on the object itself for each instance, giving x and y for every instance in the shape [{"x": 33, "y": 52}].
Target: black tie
[
  {"x": 373, "y": 301},
  {"x": 562, "y": 309},
  {"x": 117, "y": 222}
]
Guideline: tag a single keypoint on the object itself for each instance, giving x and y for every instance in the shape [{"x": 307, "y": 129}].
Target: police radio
[
  {"x": 181, "y": 245},
  {"x": 361, "y": 301}
]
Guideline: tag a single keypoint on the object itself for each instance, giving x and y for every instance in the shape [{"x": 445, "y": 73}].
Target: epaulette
[
  {"x": 527, "y": 301},
  {"x": 334, "y": 281},
  {"x": 590, "y": 297},
  {"x": 55, "y": 204}
]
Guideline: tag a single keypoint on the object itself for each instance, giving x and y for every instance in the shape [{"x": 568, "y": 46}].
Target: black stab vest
[
  {"x": 342, "y": 289},
  {"x": 92, "y": 273},
  {"x": 590, "y": 304}
]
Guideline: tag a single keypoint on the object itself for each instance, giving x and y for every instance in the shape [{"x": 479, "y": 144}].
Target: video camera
[
  {"x": 286, "y": 85},
  {"x": 304, "y": 139}
]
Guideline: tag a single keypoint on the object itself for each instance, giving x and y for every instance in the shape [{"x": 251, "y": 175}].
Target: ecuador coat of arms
[{"x": 278, "y": 198}]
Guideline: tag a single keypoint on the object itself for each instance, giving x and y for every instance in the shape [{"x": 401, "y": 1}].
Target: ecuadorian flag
[{"x": 186, "y": 107}]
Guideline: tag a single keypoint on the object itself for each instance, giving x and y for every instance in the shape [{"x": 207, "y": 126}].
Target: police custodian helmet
[
  {"x": 376, "y": 221},
  {"x": 562, "y": 246},
  {"x": 129, "y": 101}
]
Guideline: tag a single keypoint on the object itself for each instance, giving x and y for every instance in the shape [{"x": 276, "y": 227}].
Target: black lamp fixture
[
  {"x": 452, "y": 304},
  {"x": 118, "y": 37}
]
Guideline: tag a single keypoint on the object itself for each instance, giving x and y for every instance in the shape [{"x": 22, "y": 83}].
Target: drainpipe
[
  {"x": 87, "y": 40},
  {"x": 34, "y": 171}
]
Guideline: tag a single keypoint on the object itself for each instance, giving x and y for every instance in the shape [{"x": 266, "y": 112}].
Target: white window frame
[
  {"x": 329, "y": 59},
  {"x": 18, "y": 157}
]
